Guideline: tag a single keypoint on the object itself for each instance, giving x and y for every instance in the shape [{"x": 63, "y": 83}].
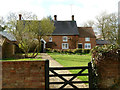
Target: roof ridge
[{"x": 86, "y": 32}]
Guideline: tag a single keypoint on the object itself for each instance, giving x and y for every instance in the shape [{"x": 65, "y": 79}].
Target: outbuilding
[{"x": 7, "y": 45}]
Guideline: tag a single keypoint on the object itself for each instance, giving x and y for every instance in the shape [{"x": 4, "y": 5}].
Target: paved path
[{"x": 53, "y": 63}]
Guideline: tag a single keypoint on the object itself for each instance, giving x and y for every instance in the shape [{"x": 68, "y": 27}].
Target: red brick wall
[
  {"x": 23, "y": 74},
  {"x": 107, "y": 69},
  {"x": 108, "y": 72},
  {"x": 58, "y": 40}
]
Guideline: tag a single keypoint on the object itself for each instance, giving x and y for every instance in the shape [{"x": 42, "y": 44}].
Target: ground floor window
[
  {"x": 87, "y": 45},
  {"x": 65, "y": 46},
  {"x": 80, "y": 46}
]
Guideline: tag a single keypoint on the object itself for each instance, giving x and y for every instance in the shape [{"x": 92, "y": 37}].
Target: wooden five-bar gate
[{"x": 71, "y": 81}]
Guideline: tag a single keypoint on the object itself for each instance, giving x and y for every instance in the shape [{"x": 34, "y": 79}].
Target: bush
[
  {"x": 73, "y": 51},
  {"x": 86, "y": 51},
  {"x": 65, "y": 51},
  {"x": 78, "y": 51},
  {"x": 48, "y": 50},
  {"x": 69, "y": 51}
]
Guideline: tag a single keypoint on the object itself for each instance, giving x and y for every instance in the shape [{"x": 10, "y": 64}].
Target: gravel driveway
[{"x": 53, "y": 63}]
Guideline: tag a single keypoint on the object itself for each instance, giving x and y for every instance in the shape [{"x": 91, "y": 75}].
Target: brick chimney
[
  {"x": 55, "y": 17},
  {"x": 20, "y": 16},
  {"x": 72, "y": 17}
]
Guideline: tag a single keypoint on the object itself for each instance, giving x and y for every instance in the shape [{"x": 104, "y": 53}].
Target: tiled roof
[
  {"x": 86, "y": 32},
  {"x": 70, "y": 28},
  {"x": 7, "y": 35},
  {"x": 65, "y": 28},
  {"x": 102, "y": 42},
  {"x": 62, "y": 27}
]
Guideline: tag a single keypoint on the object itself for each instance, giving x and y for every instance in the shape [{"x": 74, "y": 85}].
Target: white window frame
[
  {"x": 66, "y": 47},
  {"x": 87, "y": 39},
  {"x": 87, "y": 46},
  {"x": 66, "y": 38},
  {"x": 50, "y": 39},
  {"x": 80, "y": 43}
]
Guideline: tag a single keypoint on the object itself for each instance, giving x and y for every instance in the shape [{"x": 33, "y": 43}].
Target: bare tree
[
  {"x": 100, "y": 24},
  {"x": 29, "y": 31},
  {"x": 107, "y": 26},
  {"x": 2, "y": 24},
  {"x": 89, "y": 23}
]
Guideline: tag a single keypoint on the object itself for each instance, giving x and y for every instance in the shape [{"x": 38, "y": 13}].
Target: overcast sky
[{"x": 83, "y": 10}]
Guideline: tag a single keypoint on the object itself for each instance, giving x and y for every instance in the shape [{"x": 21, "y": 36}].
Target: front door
[
  {"x": 80, "y": 46},
  {"x": 42, "y": 47}
]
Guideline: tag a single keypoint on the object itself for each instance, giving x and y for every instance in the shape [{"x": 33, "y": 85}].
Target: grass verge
[
  {"x": 26, "y": 59},
  {"x": 22, "y": 59}
]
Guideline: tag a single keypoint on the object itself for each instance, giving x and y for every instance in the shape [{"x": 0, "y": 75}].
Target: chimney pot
[
  {"x": 72, "y": 17},
  {"x": 20, "y": 16},
  {"x": 55, "y": 17}
]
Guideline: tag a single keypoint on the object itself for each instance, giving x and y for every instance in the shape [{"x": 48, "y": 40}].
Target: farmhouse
[
  {"x": 7, "y": 47},
  {"x": 68, "y": 36}
]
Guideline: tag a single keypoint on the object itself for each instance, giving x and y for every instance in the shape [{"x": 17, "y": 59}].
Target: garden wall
[
  {"x": 24, "y": 74},
  {"x": 109, "y": 74}
]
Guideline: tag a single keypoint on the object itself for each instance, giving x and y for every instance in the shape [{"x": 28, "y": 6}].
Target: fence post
[
  {"x": 90, "y": 76},
  {"x": 47, "y": 74}
]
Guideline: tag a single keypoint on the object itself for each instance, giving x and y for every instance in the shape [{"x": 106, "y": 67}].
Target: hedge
[{"x": 69, "y": 51}]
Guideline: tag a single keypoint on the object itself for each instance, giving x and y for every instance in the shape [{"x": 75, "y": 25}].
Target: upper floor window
[
  {"x": 65, "y": 39},
  {"x": 50, "y": 39},
  {"x": 87, "y": 39}
]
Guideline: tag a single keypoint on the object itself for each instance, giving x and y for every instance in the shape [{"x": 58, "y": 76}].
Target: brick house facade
[{"x": 73, "y": 42}]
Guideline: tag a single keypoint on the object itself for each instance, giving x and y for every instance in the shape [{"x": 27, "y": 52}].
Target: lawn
[{"x": 73, "y": 60}]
